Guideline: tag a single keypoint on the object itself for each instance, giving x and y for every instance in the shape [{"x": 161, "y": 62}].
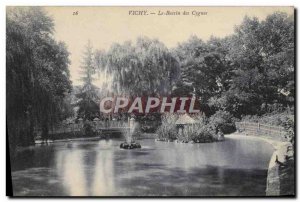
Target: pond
[{"x": 235, "y": 167}]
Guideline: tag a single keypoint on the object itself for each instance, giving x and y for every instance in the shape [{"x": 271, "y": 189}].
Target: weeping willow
[
  {"x": 37, "y": 74},
  {"x": 146, "y": 67}
]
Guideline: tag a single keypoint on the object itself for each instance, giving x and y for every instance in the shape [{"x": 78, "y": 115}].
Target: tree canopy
[
  {"x": 248, "y": 72},
  {"x": 88, "y": 98},
  {"x": 37, "y": 74},
  {"x": 261, "y": 56},
  {"x": 146, "y": 67}
]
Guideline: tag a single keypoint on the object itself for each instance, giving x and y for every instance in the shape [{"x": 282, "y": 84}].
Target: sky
[{"x": 104, "y": 26}]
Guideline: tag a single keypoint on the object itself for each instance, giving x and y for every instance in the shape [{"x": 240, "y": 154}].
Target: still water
[{"x": 235, "y": 167}]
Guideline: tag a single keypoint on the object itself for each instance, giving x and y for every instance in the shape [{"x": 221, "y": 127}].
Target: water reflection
[
  {"x": 70, "y": 168},
  {"x": 103, "y": 181},
  {"x": 100, "y": 168}
]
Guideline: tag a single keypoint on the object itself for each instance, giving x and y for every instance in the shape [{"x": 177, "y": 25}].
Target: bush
[
  {"x": 167, "y": 129},
  {"x": 200, "y": 118},
  {"x": 204, "y": 130},
  {"x": 199, "y": 133},
  {"x": 222, "y": 121},
  {"x": 189, "y": 132},
  {"x": 275, "y": 119},
  {"x": 88, "y": 129},
  {"x": 149, "y": 122},
  {"x": 289, "y": 126}
]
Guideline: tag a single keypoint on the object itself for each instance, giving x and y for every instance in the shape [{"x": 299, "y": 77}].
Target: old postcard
[{"x": 150, "y": 101}]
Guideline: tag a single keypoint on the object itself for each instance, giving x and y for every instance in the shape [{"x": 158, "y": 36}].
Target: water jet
[{"x": 129, "y": 141}]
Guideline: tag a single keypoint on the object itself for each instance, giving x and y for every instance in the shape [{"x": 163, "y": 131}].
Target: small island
[{"x": 195, "y": 128}]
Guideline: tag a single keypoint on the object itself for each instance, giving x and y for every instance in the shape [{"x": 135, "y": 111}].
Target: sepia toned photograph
[{"x": 149, "y": 101}]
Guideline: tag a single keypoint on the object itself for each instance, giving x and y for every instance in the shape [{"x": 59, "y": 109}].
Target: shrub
[
  {"x": 195, "y": 131},
  {"x": 200, "y": 118},
  {"x": 222, "y": 121},
  {"x": 167, "y": 129},
  {"x": 289, "y": 126},
  {"x": 284, "y": 119},
  {"x": 203, "y": 133},
  {"x": 88, "y": 129},
  {"x": 276, "y": 119},
  {"x": 149, "y": 122},
  {"x": 206, "y": 134},
  {"x": 189, "y": 132}
]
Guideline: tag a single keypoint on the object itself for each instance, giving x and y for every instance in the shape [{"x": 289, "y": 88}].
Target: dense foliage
[
  {"x": 222, "y": 121},
  {"x": 144, "y": 68},
  {"x": 37, "y": 75},
  {"x": 249, "y": 73},
  {"x": 88, "y": 108},
  {"x": 261, "y": 67},
  {"x": 203, "y": 130},
  {"x": 167, "y": 130}
]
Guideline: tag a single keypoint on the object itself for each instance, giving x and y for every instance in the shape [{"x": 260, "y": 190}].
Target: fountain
[{"x": 129, "y": 141}]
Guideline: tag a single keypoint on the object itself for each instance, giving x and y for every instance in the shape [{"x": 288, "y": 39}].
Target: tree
[
  {"x": 261, "y": 56},
  {"x": 146, "y": 67},
  {"x": 88, "y": 107},
  {"x": 204, "y": 67},
  {"x": 37, "y": 74}
]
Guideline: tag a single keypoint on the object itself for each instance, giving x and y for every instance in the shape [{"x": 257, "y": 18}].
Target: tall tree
[
  {"x": 146, "y": 67},
  {"x": 37, "y": 74},
  {"x": 88, "y": 108},
  {"x": 204, "y": 68},
  {"x": 263, "y": 61}
]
